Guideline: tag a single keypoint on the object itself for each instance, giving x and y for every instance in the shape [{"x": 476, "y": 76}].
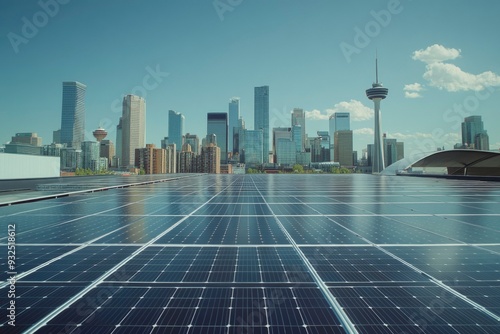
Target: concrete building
[
  {"x": 171, "y": 159},
  {"x": 151, "y": 159},
  {"x": 186, "y": 160},
  {"x": 133, "y": 128},
  {"x": 343, "y": 148},
  {"x": 107, "y": 150},
  {"x": 210, "y": 159},
  {"x": 27, "y": 138}
]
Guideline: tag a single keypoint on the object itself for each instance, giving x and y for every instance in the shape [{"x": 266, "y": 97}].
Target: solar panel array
[{"x": 260, "y": 254}]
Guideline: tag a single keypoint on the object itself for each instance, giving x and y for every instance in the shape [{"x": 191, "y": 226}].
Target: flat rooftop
[{"x": 258, "y": 254}]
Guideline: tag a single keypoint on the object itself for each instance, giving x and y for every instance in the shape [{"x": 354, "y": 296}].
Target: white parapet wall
[{"x": 22, "y": 166}]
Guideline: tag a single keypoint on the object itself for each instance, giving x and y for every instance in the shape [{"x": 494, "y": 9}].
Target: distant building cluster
[{"x": 228, "y": 145}]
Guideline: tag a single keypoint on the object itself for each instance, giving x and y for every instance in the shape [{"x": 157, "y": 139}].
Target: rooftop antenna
[{"x": 376, "y": 65}]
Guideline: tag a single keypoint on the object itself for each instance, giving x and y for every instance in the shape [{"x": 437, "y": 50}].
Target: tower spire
[{"x": 377, "y": 93}]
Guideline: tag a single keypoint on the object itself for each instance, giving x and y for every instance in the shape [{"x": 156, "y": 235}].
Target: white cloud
[
  {"x": 415, "y": 87},
  {"x": 358, "y": 111},
  {"x": 412, "y": 95},
  {"x": 407, "y": 136},
  {"x": 448, "y": 76},
  {"x": 412, "y": 90},
  {"x": 451, "y": 78},
  {"x": 364, "y": 131},
  {"x": 436, "y": 53},
  {"x": 316, "y": 115}
]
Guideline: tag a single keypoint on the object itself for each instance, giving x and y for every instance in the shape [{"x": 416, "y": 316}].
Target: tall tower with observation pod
[{"x": 377, "y": 93}]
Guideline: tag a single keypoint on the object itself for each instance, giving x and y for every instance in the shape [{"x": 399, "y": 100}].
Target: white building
[
  {"x": 22, "y": 166},
  {"x": 133, "y": 128}
]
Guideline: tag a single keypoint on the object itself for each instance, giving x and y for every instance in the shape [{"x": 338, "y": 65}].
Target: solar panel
[{"x": 260, "y": 254}]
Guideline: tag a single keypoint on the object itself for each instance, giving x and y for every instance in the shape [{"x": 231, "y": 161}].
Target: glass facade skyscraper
[
  {"x": 194, "y": 141},
  {"x": 299, "y": 118},
  {"x": 90, "y": 154},
  {"x": 133, "y": 128},
  {"x": 473, "y": 133},
  {"x": 261, "y": 117},
  {"x": 339, "y": 121},
  {"x": 234, "y": 116},
  {"x": 251, "y": 143},
  {"x": 279, "y": 133},
  {"x": 217, "y": 124},
  {"x": 175, "y": 128},
  {"x": 73, "y": 114}
]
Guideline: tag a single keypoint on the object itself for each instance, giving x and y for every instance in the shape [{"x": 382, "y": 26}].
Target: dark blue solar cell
[{"x": 237, "y": 261}]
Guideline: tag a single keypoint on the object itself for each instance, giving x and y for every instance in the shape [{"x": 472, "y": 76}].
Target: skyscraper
[
  {"x": 73, "y": 114},
  {"x": 338, "y": 121},
  {"x": 90, "y": 155},
  {"x": 133, "y": 128},
  {"x": 324, "y": 141},
  {"x": 343, "y": 149},
  {"x": 261, "y": 117},
  {"x": 237, "y": 136},
  {"x": 171, "y": 159},
  {"x": 377, "y": 93},
  {"x": 251, "y": 143},
  {"x": 280, "y": 133},
  {"x": 107, "y": 149},
  {"x": 299, "y": 118},
  {"x": 119, "y": 141},
  {"x": 194, "y": 141},
  {"x": 217, "y": 124},
  {"x": 175, "y": 128},
  {"x": 234, "y": 116},
  {"x": 473, "y": 133}
]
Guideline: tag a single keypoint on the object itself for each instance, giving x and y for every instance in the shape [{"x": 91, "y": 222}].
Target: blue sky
[{"x": 439, "y": 59}]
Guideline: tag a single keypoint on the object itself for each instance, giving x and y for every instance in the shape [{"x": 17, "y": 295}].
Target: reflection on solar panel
[{"x": 260, "y": 254}]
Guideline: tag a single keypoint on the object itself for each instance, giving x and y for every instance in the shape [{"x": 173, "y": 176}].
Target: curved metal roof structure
[{"x": 463, "y": 162}]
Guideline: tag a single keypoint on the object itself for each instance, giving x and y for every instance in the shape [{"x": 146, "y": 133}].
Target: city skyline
[{"x": 450, "y": 71}]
